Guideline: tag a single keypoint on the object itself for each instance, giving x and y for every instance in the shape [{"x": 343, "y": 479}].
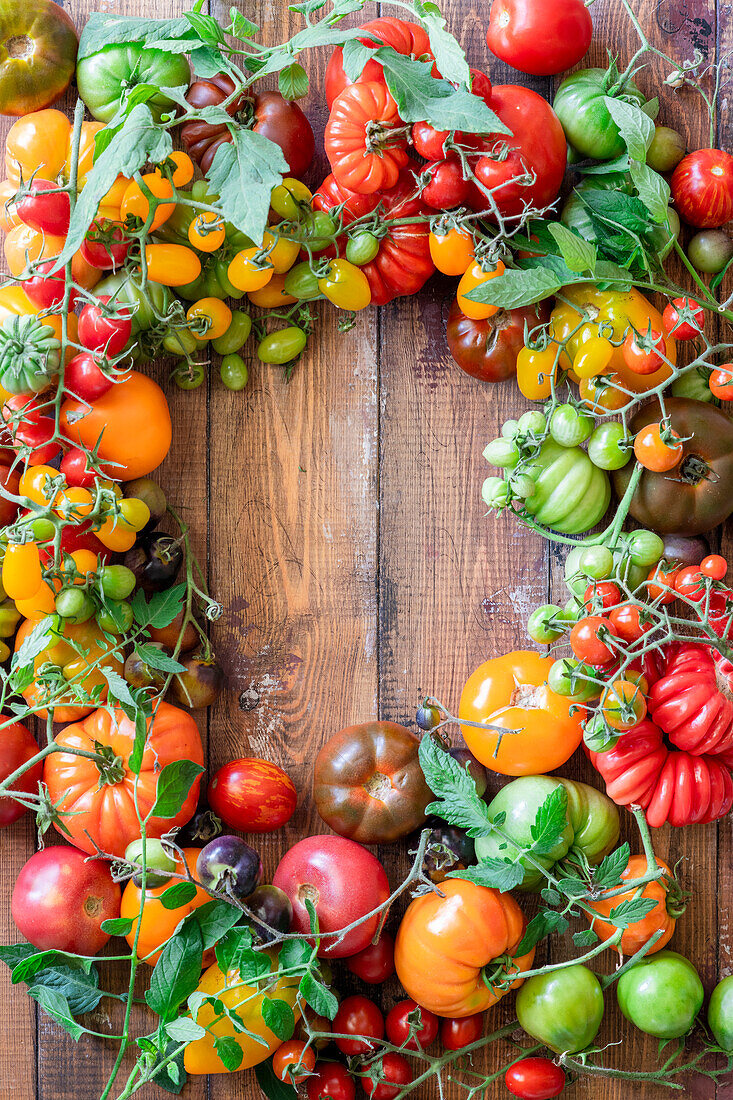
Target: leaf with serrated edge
[
  {"x": 609, "y": 870},
  {"x": 449, "y": 57},
  {"x": 184, "y": 1030},
  {"x": 541, "y": 925},
  {"x": 579, "y": 255},
  {"x": 293, "y": 82},
  {"x": 459, "y": 802},
  {"x": 243, "y": 174},
  {"x": 550, "y": 823},
  {"x": 635, "y": 127},
  {"x": 176, "y": 972},
  {"x": 497, "y": 874},
  {"x": 174, "y": 783},
  {"x": 654, "y": 191},
  {"x": 630, "y": 911},
  {"x": 279, "y": 1017},
  {"x": 318, "y": 996}
]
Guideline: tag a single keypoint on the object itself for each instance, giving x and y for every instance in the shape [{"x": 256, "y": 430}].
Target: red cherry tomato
[
  {"x": 690, "y": 582},
  {"x": 103, "y": 333},
  {"x": 43, "y": 212},
  {"x": 535, "y": 1079},
  {"x": 254, "y": 796},
  {"x": 290, "y": 1055},
  {"x": 398, "y": 1025},
  {"x": 84, "y": 378},
  {"x": 455, "y": 1034},
  {"x": 601, "y": 595},
  {"x": 17, "y": 747},
  {"x": 30, "y": 430},
  {"x": 331, "y": 1081},
  {"x": 358, "y": 1015},
  {"x": 721, "y": 383},
  {"x": 105, "y": 245},
  {"x": 396, "y": 1073},
  {"x": 702, "y": 188},
  {"x": 47, "y": 291},
  {"x": 428, "y": 141},
  {"x": 376, "y": 962},
  {"x": 75, "y": 470},
  {"x": 641, "y": 359},
  {"x": 683, "y": 330},
  {"x": 714, "y": 566},
  {"x": 627, "y": 622},
  {"x": 447, "y": 187},
  {"x": 587, "y": 640}
]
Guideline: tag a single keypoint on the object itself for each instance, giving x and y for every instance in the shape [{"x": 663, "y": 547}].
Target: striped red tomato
[{"x": 252, "y": 795}]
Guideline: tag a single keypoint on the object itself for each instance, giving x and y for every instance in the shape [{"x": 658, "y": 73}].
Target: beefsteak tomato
[
  {"x": 365, "y": 138},
  {"x": 687, "y": 703},
  {"x": 702, "y": 188},
  {"x": 106, "y": 78},
  {"x": 408, "y": 39},
  {"x": 662, "y": 918},
  {"x": 254, "y": 796},
  {"x": 447, "y": 948},
  {"x": 580, "y": 104},
  {"x": 39, "y": 45},
  {"x": 97, "y": 798}
]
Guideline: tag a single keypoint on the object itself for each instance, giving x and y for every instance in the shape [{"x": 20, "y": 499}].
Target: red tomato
[
  {"x": 75, "y": 470},
  {"x": 376, "y": 962},
  {"x": 30, "y": 430},
  {"x": 331, "y": 1081},
  {"x": 408, "y": 39},
  {"x": 457, "y": 1033},
  {"x": 714, "y": 566},
  {"x": 403, "y": 1018},
  {"x": 537, "y": 145},
  {"x": 363, "y": 139},
  {"x": 9, "y": 479},
  {"x": 541, "y": 37},
  {"x": 641, "y": 359},
  {"x": 428, "y": 141},
  {"x": 394, "y": 1071},
  {"x": 627, "y": 622},
  {"x": 447, "y": 187},
  {"x": 290, "y": 1055},
  {"x": 42, "y": 212},
  {"x": 17, "y": 747},
  {"x": 690, "y": 582},
  {"x": 721, "y": 383},
  {"x": 588, "y": 640},
  {"x": 105, "y": 245},
  {"x": 535, "y": 1079},
  {"x": 47, "y": 291},
  {"x": 358, "y": 1015},
  {"x": 60, "y": 900},
  {"x": 101, "y": 332},
  {"x": 702, "y": 188},
  {"x": 683, "y": 330},
  {"x": 84, "y": 378},
  {"x": 344, "y": 882},
  {"x": 254, "y": 796},
  {"x": 600, "y": 595}
]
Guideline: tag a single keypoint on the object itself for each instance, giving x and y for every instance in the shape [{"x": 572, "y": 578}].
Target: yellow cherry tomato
[
  {"x": 536, "y": 371},
  {"x": 86, "y": 561},
  {"x": 247, "y": 273},
  {"x": 183, "y": 171},
  {"x": 209, "y": 318},
  {"x": 41, "y": 484},
  {"x": 109, "y": 204},
  {"x": 593, "y": 357},
  {"x": 171, "y": 264},
  {"x": 21, "y": 575},
  {"x": 452, "y": 252},
  {"x": 600, "y": 393},
  {"x": 272, "y": 295},
  {"x": 41, "y": 603},
  {"x": 135, "y": 201},
  {"x": 206, "y": 231},
  {"x": 74, "y": 503},
  {"x": 475, "y": 276},
  {"x": 290, "y": 198},
  {"x": 345, "y": 285},
  {"x": 281, "y": 252}
]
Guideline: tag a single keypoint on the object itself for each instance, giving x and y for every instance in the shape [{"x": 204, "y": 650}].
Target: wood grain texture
[{"x": 340, "y": 521}]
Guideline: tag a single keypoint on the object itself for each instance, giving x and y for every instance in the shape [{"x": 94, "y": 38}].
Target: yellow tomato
[{"x": 475, "y": 276}]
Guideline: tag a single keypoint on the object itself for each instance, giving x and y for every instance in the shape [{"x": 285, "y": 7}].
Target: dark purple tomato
[
  {"x": 229, "y": 865},
  {"x": 273, "y": 908}
]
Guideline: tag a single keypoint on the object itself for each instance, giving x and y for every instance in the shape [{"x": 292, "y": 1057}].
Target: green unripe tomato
[
  {"x": 320, "y": 230},
  {"x": 302, "y": 283},
  {"x": 666, "y": 150},
  {"x": 522, "y": 485},
  {"x": 509, "y": 429},
  {"x": 116, "y": 581},
  {"x": 74, "y": 604},
  {"x": 495, "y": 492},
  {"x": 282, "y": 346},
  {"x": 502, "y": 452},
  {"x": 532, "y": 422},
  {"x": 693, "y": 383},
  {"x": 188, "y": 376},
  {"x": 720, "y": 1013},
  {"x": 570, "y": 678},
  {"x": 562, "y": 1009},
  {"x": 116, "y": 617},
  {"x": 710, "y": 251},
  {"x": 236, "y": 335},
  {"x": 234, "y": 372},
  {"x": 156, "y": 859},
  {"x": 598, "y": 736},
  {"x": 543, "y": 626},
  {"x": 573, "y": 610},
  {"x": 362, "y": 248},
  {"x": 661, "y": 995},
  {"x": 569, "y": 427},
  {"x": 42, "y": 529},
  {"x": 9, "y": 618},
  {"x": 576, "y": 579},
  {"x": 645, "y": 548},
  {"x": 181, "y": 341},
  {"x": 596, "y": 562},
  {"x": 609, "y": 448}
]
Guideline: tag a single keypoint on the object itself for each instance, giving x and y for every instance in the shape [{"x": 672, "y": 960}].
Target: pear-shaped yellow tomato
[
  {"x": 201, "y": 1056},
  {"x": 511, "y": 693}
]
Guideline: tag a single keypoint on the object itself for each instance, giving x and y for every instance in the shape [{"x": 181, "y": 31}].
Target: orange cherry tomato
[
  {"x": 629, "y": 622},
  {"x": 452, "y": 252},
  {"x": 40, "y": 143},
  {"x": 281, "y": 252},
  {"x": 623, "y": 705},
  {"x": 715, "y": 566},
  {"x": 475, "y": 276},
  {"x": 213, "y": 315},
  {"x": 657, "y": 449},
  {"x": 511, "y": 692},
  {"x": 592, "y": 357},
  {"x": 135, "y": 202},
  {"x": 171, "y": 264},
  {"x": 536, "y": 371},
  {"x": 206, "y": 231},
  {"x": 158, "y": 924},
  {"x": 600, "y": 394},
  {"x": 24, "y": 245},
  {"x": 663, "y": 576},
  {"x": 272, "y": 294},
  {"x": 248, "y": 271},
  {"x": 41, "y": 603},
  {"x": 183, "y": 170},
  {"x": 662, "y": 917},
  {"x": 291, "y": 1055},
  {"x": 8, "y": 217},
  {"x": 721, "y": 383}
]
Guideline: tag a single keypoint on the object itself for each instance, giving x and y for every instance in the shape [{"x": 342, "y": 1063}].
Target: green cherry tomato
[
  {"x": 510, "y": 428},
  {"x": 591, "y": 823},
  {"x": 74, "y": 604},
  {"x": 645, "y": 548},
  {"x": 661, "y": 994},
  {"x": 502, "y": 452},
  {"x": 282, "y": 346},
  {"x": 116, "y": 617},
  {"x": 710, "y": 251},
  {"x": 598, "y": 735},
  {"x": 156, "y": 859},
  {"x": 116, "y": 581},
  {"x": 42, "y": 529},
  {"x": 9, "y": 618},
  {"x": 181, "y": 341},
  {"x": 562, "y": 1009},
  {"x": 236, "y": 335},
  {"x": 596, "y": 562},
  {"x": 573, "y": 610},
  {"x": 522, "y": 485},
  {"x": 666, "y": 150},
  {"x": 580, "y": 104},
  {"x": 188, "y": 376},
  {"x": 569, "y": 427},
  {"x": 320, "y": 230},
  {"x": 544, "y": 625},
  {"x": 609, "y": 447},
  {"x": 234, "y": 372},
  {"x": 720, "y": 1013},
  {"x": 576, "y": 579},
  {"x": 495, "y": 492},
  {"x": 573, "y": 680},
  {"x": 532, "y": 422},
  {"x": 362, "y": 248},
  {"x": 302, "y": 283}
]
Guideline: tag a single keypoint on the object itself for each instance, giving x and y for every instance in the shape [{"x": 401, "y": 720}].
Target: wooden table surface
[{"x": 340, "y": 524}]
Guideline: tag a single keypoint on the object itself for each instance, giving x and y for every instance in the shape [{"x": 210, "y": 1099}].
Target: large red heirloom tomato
[
  {"x": 511, "y": 693},
  {"x": 368, "y": 784},
  {"x": 343, "y": 881},
  {"x": 687, "y": 704},
  {"x": 254, "y": 796},
  {"x": 17, "y": 747},
  {"x": 409, "y": 39},
  {"x": 96, "y": 799},
  {"x": 365, "y": 138},
  {"x": 60, "y": 900},
  {"x": 702, "y": 188},
  {"x": 447, "y": 948},
  {"x": 39, "y": 45}
]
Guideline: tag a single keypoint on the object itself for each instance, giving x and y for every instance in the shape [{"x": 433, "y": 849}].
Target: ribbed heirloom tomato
[
  {"x": 447, "y": 946},
  {"x": 662, "y": 918},
  {"x": 365, "y": 139},
  {"x": 97, "y": 798},
  {"x": 511, "y": 693},
  {"x": 408, "y": 39}
]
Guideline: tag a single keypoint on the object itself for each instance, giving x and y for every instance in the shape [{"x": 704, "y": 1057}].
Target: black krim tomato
[
  {"x": 449, "y": 849},
  {"x": 230, "y": 866},
  {"x": 273, "y": 908},
  {"x": 203, "y": 827},
  {"x": 201, "y": 682},
  {"x": 155, "y": 560},
  {"x": 38, "y": 45},
  {"x": 488, "y": 349},
  {"x": 685, "y": 551}
]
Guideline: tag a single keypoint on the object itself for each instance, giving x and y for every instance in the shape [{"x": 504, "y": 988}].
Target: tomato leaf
[
  {"x": 579, "y": 255},
  {"x": 459, "y": 803},
  {"x": 33, "y": 964},
  {"x": 587, "y": 938},
  {"x": 272, "y": 1086},
  {"x": 497, "y": 874},
  {"x": 74, "y": 978},
  {"x": 184, "y": 1030},
  {"x": 243, "y": 174},
  {"x": 519, "y": 288},
  {"x": 654, "y": 191},
  {"x": 179, "y": 894},
  {"x": 117, "y": 926},
  {"x": 318, "y": 996},
  {"x": 31, "y": 647},
  {"x": 215, "y": 919},
  {"x": 176, "y": 972},
  {"x": 54, "y": 1003},
  {"x": 279, "y": 1017},
  {"x": 162, "y": 608},
  {"x": 635, "y": 126},
  {"x": 252, "y": 965},
  {"x": 229, "y": 1051},
  {"x": 241, "y": 27},
  {"x": 355, "y": 57},
  {"x": 542, "y": 924},
  {"x": 102, "y": 30},
  {"x": 138, "y": 747},
  {"x": 609, "y": 870},
  {"x": 449, "y": 57},
  {"x": 294, "y": 954},
  {"x": 550, "y": 823},
  {"x": 293, "y": 82},
  {"x": 174, "y": 783},
  {"x": 419, "y": 96},
  {"x": 630, "y": 911},
  {"x": 158, "y": 658}
]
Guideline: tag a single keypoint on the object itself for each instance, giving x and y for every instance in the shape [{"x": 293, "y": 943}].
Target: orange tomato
[
  {"x": 132, "y": 411},
  {"x": 656, "y": 451},
  {"x": 662, "y": 917},
  {"x": 41, "y": 603},
  {"x": 23, "y": 245},
  {"x": 511, "y": 692},
  {"x": 474, "y": 276},
  {"x": 444, "y": 943},
  {"x": 40, "y": 143},
  {"x": 158, "y": 924},
  {"x": 135, "y": 201},
  {"x": 272, "y": 294},
  {"x": 97, "y": 801},
  {"x": 21, "y": 572},
  {"x": 171, "y": 264},
  {"x": 452, "y": 252},
  {"x": 600, "y": 393}
]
